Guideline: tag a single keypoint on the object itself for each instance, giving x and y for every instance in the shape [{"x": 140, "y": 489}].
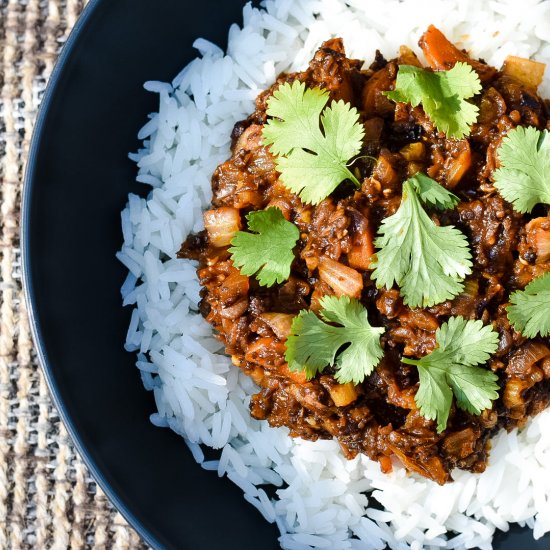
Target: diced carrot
[
  {"x": 265, "y": 352},
  {"x": 385, "y": 464},
  {"x": 459, "y": 164},
  {"x": 362, "y": 250},
  {"x": 442, "y": 55},
  {"x": 296, "y": 376},
  {"x": 374, "y": 102}
]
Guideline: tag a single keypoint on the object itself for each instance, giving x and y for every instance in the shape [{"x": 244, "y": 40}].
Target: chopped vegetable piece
[
  {"x": 413, "y": 151},
  {"x": 530, "y": 309},
  {"x": 523, "y": 178},
  {"x": 279, "y": 323},
  {"x": 344, "y": 280},
  {"x": 451, "y": 368},
  {"x": 343, "y": 394},
  {"x": 267, "y": 252},
  {"x": 221, "y": 224},
  {"x": 429, "y": 191},
  {"x": 427, "y": 261},
  {"x": 441, "y": 54},
  {"x": 408, "y": 57},
  {"x": 312, "y": 162},
  {"x": 314, "y": 343},
  {"x": 538, "y": 237},
  {"x": 443, "y": 96},
  {"x": 362, "y": 249},
  {"x": 458, "y": 165},
  {"x": 526, "y": 71}
]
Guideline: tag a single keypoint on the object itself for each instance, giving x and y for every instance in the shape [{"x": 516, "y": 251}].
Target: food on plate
[
  {"x": 317, "y": 497},
  {"x": 377, "y": 253}
]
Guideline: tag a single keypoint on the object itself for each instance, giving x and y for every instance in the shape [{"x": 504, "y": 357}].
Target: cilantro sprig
[
  {"x": 314, "y": 344},
  {"x": 529, "y": 311},
  {"x": 427, "y": 261},
  {"x": 266, "y": 251},
  {"x": 452, "y": 369},
  {"x": 523, "y": 178},
  {"x": 443, "y": 95},
  {"x": 312, "y": 162}
]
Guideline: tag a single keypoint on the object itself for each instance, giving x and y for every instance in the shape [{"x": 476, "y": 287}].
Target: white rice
[{"x": 323, "y": 499}]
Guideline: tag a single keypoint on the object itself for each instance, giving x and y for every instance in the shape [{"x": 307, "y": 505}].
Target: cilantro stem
[
  {"x": 352, "y": 177},
  {"x": 374, "y": 159},
  {"x": 408, "y": 361}
]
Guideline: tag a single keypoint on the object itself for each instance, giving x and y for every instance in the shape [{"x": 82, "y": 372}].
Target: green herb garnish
[
  {"x": 529, "y": 311},
  {"x": 451, "y": 368},
  {"x": 523, "y": 178},
  {"x": 431, "y": 192},
  {"x": 427, "y": 261},
  {"x": 312, "y": 162},
  {"x": 442, "y": 94},
  {"x": 313, "y": 344},
  {"x": 267, "y": 251}
]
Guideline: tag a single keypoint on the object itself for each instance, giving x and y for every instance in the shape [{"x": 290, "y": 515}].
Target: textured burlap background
[{"x": 47, "y": 499}]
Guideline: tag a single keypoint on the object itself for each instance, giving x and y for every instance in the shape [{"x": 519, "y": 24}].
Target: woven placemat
[{"x": 47, "y": 498}]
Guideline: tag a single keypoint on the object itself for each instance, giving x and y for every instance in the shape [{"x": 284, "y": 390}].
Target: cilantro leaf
[
  {"x": 523, "y": 178},
  {"x": 313, "y": 344},
  {"x": 434, "y": 396},
  {"x": 427, "y": 261},
  {"x": 529, "y": 311},
  {"x": 432, "y": 192},
  {"x": 452, "y": 369},
  {"x": 443, "y": 95},
  {"x": 312, "y": 162},
  {"x": 267, "y": 252}
]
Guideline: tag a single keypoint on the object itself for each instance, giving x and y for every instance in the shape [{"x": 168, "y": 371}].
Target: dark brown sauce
[{"x": 381, "y": 420}]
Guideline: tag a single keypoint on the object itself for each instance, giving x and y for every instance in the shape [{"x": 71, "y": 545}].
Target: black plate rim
[{"x": 29, "y": 182}]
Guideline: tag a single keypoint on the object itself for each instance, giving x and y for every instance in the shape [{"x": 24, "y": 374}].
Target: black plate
[{"x": 78, "y": 179}]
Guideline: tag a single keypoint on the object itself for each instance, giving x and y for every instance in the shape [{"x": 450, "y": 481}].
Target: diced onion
[
  {"x": 525, "y": 71},
  {"x": 234, "y": 286},
  {"x": 279, "y": 323},
  {"x": 344, "y": 280},
  {"x": 234, "y": 311},
  {"x": 538, "y": 234},
  {"x": 413, "y": 151},
  {"x": 221, "y": 224},
  {"x": 384, "y": 172}
]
